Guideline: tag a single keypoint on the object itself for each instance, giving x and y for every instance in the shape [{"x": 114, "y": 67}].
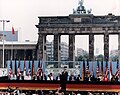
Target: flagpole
[
  {"x": 3, "y": 36},
  {"x": 3, "y": 40},
  {"x": 12, "y": 51}
]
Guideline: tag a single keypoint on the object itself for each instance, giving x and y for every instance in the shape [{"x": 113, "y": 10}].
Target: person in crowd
[
  {"x": 9, "y": 89},
  {"x": 34, "y": 77},
  {"x": 18, "y": 74},
  {"x": 10, "y": 74},
  {"x": 113, "y": 78},
  {"x": 39, "y": 74},
  {"x": 58, "y": 90},
  {"x": 79, "y": 78},
  {"x": 72, "y": 77},
  {"x": 24, "y": 72},
  {"x": 87, "y": 76},
  {"x": 92, "y": 78},
  {"x": 16, "y": 91},
  {"x": 22, "y": 76},
  {"x": 50, "y": 77},
  {"x": 58, "y": 77},
  {"x": 13, "y": 76},
  {"x": 51, "y": 92},
  {"x": 44, "y": 77},
  {"x": 105, "y": 78},
  {"x": 29, "y": 77},
  {"x": 41, "y": 92},
  {"x": 100, "y": 77},
  {"x": 116, "y": 78}
]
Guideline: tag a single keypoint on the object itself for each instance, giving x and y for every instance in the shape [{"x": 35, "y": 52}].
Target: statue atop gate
[{"x": 81, "y": 9}]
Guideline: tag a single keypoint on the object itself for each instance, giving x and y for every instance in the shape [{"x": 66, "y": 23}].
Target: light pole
[{"x": 3, "y": 36}]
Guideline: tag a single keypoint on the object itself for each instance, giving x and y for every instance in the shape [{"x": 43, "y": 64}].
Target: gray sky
[{"x": 23, "y": 15}]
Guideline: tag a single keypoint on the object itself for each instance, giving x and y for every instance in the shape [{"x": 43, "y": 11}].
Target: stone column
[
  {"x": 106, "y": 46},
  {"x": 119, "y": 47},
  {"x": 56, "y": 51},
  {"x": 42, "y": 46},
  {"x": 71, "y": 50},
  {"x": 91, "y": 46},
  {"x": 1, "y": 59}
]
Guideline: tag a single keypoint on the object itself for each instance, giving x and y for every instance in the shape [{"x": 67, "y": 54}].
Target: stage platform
[{"x": 53, "y": 85}]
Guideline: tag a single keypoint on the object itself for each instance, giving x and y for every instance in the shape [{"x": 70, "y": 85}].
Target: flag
[
  {"x": 105, "y": 78},
  {"x": 19, "y": 68},
  {"x": 15, "y": 67},
  {"x": 19, "y": 63},
  {"x": 13, "y": 32},
  {"x": 111, "y": 74},
  {"x": 87, "y": 67},
  {"x": 10, "y": 70},
  {"x": 24, "y": 63},
  {"x": 83, "y": 70},
  {"x": 39, "y": 63},
  {"x": 117, "y": 67},
  {"x": 92, "y": 73},
  {"x": 97, "y": 68},
  {"x": 11, "y": 64},
  {"x": 102, "y": 66},
  {"x": 33, "y": 66},
  {"x": 106, "y": 70},
  {"x": 117, "y": 74},
  {"x": 29, "y": 69},
  {"x": 24, "y": 72}
]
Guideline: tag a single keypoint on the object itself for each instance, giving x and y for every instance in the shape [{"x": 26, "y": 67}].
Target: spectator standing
[{"x": 16, "y": 91}]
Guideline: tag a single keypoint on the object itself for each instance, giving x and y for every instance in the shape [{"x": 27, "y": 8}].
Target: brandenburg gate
[{"x": 81, "y": 22}]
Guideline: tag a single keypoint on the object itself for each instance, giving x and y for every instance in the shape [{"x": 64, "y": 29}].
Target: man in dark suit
[
  {"x": 58, "y": 77},
  {"x": 63, "y": 79}
]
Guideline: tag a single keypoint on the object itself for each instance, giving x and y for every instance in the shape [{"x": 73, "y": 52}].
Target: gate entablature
[{"x": 79, "y": 24}]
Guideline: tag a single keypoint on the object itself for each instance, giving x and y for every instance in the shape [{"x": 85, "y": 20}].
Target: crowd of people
[
  {"x": 87, "y": 75},
  {"x": 58, "y": 91},
  {"x": 40, "y": 75}
]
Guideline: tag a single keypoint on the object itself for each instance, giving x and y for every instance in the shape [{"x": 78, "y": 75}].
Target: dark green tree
[{"x": 99, "y": 57}]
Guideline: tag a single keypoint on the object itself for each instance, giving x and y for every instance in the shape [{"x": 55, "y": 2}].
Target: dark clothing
[
  {"x": 58, "y": 78},
  {"x": 92, "y": 78},
  {"x": 10, "y": 89},
  {"x": 22, "y": 77},
  {"x": 38, "y": 78},
  {"x": 63, "y": 80},
  {"x": 64, "y": 76},
  {"x": 86, "y": 79},
  {"x": 72, "y": 78},
  {"x": 113, "y": 79},
  {"x": 18, "y": 77},
  {"x": 45, "y": 77},
  {"x": 116, "y": 79},
  {"x": 78, "y": 78}
]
